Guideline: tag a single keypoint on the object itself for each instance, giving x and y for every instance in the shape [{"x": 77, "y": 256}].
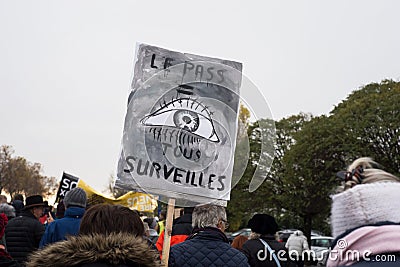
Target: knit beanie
[
  {"x": 75, "y": 197},
  {"x": 365, "y": 204}
]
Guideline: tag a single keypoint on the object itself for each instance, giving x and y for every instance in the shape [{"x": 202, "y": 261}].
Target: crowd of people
[{"x": 364, "y": 216}]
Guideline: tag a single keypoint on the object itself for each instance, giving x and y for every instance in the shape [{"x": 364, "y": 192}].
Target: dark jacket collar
[
  {"x": 28, "y": 213},
  {"x": 209, "y": 233},
  {"x": 74, "y": 212},
  {"x": 185, "y": 218},
  {"x": 268, "y": 237}
]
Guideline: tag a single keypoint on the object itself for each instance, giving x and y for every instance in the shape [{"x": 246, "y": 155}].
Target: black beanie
[{"x": 263, "y": 224}]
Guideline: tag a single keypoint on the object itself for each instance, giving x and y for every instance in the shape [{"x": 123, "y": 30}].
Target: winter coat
[
  {"x": 60, "y": 229},
  {"x": 206, "y": 247},
  {"x": 116, "y": 249},
  {"x": 380, "y": 240},
  {"x": 297, "y": 242},
  {"x": 252, "y": 247},
  {"x": 181, "y": 229},
  {"x": 23, "y": 235}
]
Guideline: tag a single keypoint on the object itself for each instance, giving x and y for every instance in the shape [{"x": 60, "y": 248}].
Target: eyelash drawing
[{"x": 186, "y": 114}]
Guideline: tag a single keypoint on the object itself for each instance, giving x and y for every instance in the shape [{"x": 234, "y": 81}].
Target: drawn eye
[
  {"x": 186, "y": 114},
  {"x": 187, "y": 120}
]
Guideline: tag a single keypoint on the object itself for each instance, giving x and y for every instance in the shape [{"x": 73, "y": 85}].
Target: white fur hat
[{"x": 365, "y": 204}]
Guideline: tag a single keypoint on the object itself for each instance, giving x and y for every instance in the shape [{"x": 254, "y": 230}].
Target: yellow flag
[{"x": 133, "y": 200}]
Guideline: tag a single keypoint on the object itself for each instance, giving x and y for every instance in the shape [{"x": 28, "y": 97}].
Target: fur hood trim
[{"x": 114, "y": 249}]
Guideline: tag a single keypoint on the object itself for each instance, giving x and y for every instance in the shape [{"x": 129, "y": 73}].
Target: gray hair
[
  {"x": 8, "y": 210},
  {"x": 207, "y": 215},
  {"x": 371, "y": 172}
]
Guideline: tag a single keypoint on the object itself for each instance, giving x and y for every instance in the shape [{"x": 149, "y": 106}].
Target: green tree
[
  {"x": 309, "y": 169},
  {"x": 369, "y": 120},
  {"x": 310, "y": 150},
  {"x": 277, "y": 141},
  {"x": 365, "y": 124}
]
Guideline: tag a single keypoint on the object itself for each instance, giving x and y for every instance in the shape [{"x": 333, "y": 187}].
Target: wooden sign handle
[{"x": 167, "y": 231}]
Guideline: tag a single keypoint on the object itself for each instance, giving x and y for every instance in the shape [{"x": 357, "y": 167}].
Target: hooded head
[
  {"x": 298, "y": 233},
  {"x": 18, "y": 205}
]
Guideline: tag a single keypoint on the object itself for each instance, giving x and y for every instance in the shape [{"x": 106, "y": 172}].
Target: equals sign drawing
[{"x": 185, "y": 89}]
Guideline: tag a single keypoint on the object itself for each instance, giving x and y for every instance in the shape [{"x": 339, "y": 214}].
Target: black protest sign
[{"x": 67, "y": 183}]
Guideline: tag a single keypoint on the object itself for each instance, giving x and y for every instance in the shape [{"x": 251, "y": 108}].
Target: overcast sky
[{"x": 66, "y": 66}]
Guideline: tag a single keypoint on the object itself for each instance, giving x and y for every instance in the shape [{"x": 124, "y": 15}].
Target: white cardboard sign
[{"x": 180, "y": 127}]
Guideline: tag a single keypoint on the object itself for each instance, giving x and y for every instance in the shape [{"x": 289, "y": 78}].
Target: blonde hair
[{"x": 370, "y": 173}]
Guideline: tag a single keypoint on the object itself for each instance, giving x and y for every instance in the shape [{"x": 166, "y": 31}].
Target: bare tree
[
  {"x": 19, "y": 176},
  {"x": 5, "y": 158}
]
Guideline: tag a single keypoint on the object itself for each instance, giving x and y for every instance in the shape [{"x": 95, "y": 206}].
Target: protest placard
[
  {"x": 180, "y": 127},
  {"x": 67, "y": 183}
]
